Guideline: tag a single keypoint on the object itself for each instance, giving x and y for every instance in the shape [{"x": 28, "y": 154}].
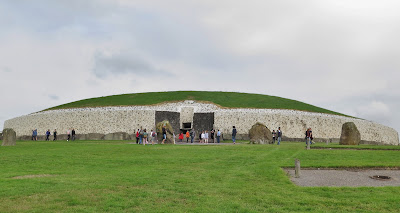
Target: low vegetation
[
  {"x": 115, "y": 176},
  {"x": 224, "y": 99}
]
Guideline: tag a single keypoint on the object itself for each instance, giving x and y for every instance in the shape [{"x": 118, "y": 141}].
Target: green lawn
[
  {"x": 106, "y": 176},
  {"x": 224, "y": 99}
]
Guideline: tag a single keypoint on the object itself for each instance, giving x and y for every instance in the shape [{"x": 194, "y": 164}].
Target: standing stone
[
  {"x": 260, "y": 134},
  {"x": 9, "y": 137},
  {"x": 168, "y": 128},
  {"x": 350, "y": 134}
]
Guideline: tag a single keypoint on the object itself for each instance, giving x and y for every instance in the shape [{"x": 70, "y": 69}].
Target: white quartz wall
[
  {"x": 294, "y": 123},
  {"x": 88, "y": 121},
  {"x": 127, "y": 119}
]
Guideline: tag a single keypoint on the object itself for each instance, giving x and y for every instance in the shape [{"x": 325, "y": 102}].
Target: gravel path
[{"x": 356, "y": 178}]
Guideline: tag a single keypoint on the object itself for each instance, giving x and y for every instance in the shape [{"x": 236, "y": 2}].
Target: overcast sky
[{"x": 342, "y": 55}]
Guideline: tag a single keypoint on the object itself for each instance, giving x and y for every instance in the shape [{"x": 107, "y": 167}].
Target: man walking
[
  {"x": 279, "y": 136},
  {"x": 218, "y": 136},
  {"x": 48, "y": 135},
  {"x": 73, "y": 134},
  {"x": 192, "y": 135},
  {"x": 234, "y": 135},
  {"x": 55, "y": 135}
]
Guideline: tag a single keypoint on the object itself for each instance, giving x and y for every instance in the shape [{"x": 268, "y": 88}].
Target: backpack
[{"x": 153, "y": 134}]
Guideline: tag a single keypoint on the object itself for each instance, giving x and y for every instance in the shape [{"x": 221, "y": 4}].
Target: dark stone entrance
[{"x": 203, "y": 121}]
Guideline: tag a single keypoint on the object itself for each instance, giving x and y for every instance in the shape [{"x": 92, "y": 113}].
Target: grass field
[
  {"x": 224, "y": 99},
  {"x": 114, "y": 176}
]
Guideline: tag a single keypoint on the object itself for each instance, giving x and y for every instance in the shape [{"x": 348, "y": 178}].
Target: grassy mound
[{"x": 224, "y": 99}]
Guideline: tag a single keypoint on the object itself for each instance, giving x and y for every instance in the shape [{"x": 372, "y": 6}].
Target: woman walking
[
  {"x": 187, "y": 136},
  {"x": 153, "y": 136},
  {"x": 181, "y": 137},
  {"x": 144, "y": 137},
  {"x": 137, "y": 136}
]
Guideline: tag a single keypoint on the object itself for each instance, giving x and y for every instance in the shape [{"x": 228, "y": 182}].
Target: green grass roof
[{"x": 224, "y": 99}]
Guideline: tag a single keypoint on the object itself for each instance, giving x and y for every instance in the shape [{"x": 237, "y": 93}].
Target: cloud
[
  {"x": 6, "y": 69},
  {"x": 123, "y": 63},
  {"x": 375, "y": 110},
  {"x": 54, "y": 97}
]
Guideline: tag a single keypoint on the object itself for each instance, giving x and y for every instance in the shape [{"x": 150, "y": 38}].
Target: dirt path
[{"x": 351, "y": 178}]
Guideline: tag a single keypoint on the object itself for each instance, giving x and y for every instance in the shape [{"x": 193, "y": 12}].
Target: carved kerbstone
[{"x": 9, "y": 137}]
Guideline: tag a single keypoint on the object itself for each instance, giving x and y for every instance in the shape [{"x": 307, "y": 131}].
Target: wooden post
[
  {"x": 327, "y": 141},
  {"x": 297, "y": 168}
]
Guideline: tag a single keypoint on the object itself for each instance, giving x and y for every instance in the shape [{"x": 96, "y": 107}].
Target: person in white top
[
  {"x": 203, "y": 136},
  {"x": 206, "y": 136},
  {"x": 153, "y": 136}
]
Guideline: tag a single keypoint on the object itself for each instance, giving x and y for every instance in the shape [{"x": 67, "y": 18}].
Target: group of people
[
  {"x": 143, "y": 137},
  {"x": 277, "y": 136},
  {"x": 309, "y": 136},
  {"x": 205, "y": 136},
  {"x": 71, "y": 135}
]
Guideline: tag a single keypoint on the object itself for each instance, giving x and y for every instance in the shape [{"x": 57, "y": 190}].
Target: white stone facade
[{"x": 106, "y": 120}]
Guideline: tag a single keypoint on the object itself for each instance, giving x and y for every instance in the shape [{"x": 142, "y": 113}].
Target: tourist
[
  {"x": 153, "y": 137},
  {"x": 73, "y": 134},
  {"x": 164, "y": 132},
  {"x": 145, "y": 137},
  {"x": 203, "y": 136},
  {"x": 140, "y": 136},
  {"x": 305, "y": 137},
  {"x": 234, "y": 135},
  {"x": 33, "y": 134},
  {"x": 273, "y": 136},
  {"x": 218, "y": 136},
  {"x": 68, "y": 134},
  {"x": 55, "y": 135},
  {"x": 200, "y": 133},
  {"x": 206, "y": 137},
  {"x": 212, "y": 135},
  {"x": 181, "y": 137},
  {"x": 173, "y": 135},
  {"x": 192, "y": 135},
  {"x": 279, "y": 135},
  {"x": 137, "y": 136},
  {"x": 187, "y": 136},
  {"x": 309, "y": 136},
  {"x": 48, "y": 135}
]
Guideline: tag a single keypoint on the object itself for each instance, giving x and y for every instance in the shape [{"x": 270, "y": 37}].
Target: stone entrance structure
[
  {"x": 189, "y": 114},
  {"x": 186, "y": 120}
]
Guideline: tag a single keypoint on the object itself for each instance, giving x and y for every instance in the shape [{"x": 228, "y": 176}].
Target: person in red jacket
[
  {"x": 180, "y": 137},
  {"x": 137, "y": 136}
]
